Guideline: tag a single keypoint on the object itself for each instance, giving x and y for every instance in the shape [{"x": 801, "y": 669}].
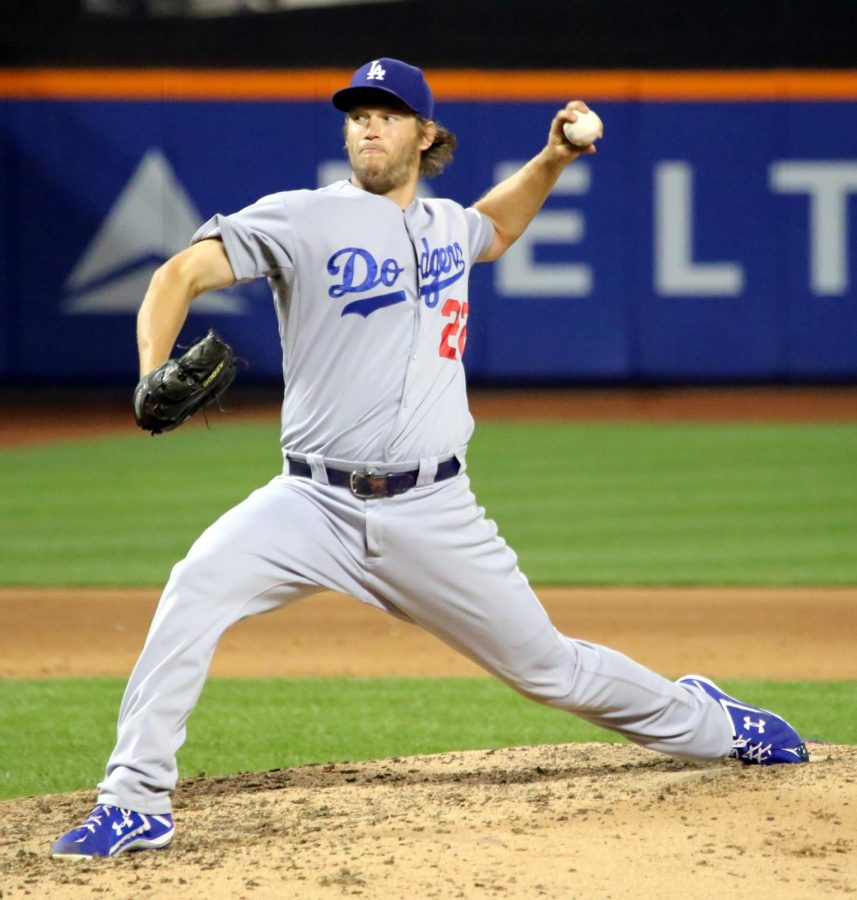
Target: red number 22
[{"x": 454, "y": 336}]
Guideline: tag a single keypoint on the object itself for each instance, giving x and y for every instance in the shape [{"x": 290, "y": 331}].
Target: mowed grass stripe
[
  {"x": 56, "y": 735},
  {"x": 581, "y": 503},
  {"x": 683, "y": 504}
]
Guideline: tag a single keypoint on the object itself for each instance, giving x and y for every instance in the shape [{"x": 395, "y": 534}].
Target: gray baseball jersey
[{"x": 372, "y": 307}]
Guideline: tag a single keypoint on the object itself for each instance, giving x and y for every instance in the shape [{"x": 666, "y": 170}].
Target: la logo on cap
[
  {"x": 376, "y": 72},
  {"x": 390, "y": 78}
]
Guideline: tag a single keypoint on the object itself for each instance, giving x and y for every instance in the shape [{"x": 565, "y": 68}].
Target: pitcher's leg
[
  {"x": 615, "y": 692},
  {"x": 266, "y": 552},
  {"x": 598, "y": 684},
  {"x": 166, "y": 683},
  {"x": 459, "y": 580}
]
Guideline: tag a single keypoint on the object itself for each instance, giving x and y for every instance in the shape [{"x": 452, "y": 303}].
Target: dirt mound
[{"x": 573, "y": 820}]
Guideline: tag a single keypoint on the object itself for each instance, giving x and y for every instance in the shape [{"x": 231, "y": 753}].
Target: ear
[{"x": 429, "y": 132}]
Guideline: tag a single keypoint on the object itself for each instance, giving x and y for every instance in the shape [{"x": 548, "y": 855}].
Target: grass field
[
  {"x": 581, "y": 503},
  {"x": 64, "y": 729}
]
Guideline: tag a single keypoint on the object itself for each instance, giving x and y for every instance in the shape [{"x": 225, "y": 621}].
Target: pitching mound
[{"x": 592, "y": 820}]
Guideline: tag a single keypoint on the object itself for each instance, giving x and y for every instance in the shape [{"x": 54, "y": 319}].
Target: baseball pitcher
[{"x": 370, "y": 286}]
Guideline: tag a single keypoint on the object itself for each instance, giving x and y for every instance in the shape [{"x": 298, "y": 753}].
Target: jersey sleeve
[
  {"x": 480, "y": 231},
  {"x": 257, "y": 239}
]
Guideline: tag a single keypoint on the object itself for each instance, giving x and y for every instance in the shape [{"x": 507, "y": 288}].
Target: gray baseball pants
[{"x": 429, "y": 556}]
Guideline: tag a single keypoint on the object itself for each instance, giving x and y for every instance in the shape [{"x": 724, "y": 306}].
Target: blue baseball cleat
[
  {"x": 110, "y": 830},
  {"x": 758, "y": 736}
]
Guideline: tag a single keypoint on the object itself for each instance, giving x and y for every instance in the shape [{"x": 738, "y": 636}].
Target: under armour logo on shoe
[
  {"x": 759, "y": 725},
  {"x": 376, "y": 72},
  {"x": 126, "y": 822}
]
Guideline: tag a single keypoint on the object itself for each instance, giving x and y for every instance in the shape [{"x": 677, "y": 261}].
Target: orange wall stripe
[{"x": 448, "y": 84}]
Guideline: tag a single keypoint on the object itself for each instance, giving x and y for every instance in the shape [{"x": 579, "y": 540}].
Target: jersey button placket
[{"x": 418, "y": 311}]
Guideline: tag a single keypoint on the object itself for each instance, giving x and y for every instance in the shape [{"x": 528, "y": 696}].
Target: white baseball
[{"x": 585, "y": 131}]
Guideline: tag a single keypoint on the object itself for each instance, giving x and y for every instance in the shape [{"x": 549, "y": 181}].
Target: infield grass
[
  {"x": 582, "y": 504},
  {"x": 56, "y": 735}
]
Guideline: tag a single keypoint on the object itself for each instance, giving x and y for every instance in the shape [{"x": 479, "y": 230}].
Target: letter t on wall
[{"x": 828, "y": 185}]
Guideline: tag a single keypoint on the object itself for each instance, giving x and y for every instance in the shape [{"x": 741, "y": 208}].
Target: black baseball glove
[{"x": 181, "y": 387}]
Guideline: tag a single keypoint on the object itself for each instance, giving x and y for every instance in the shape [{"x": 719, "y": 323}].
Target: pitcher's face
[{"x": 384, "y": 146}]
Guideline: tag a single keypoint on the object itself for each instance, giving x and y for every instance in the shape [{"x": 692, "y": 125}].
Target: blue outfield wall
[{"x": 704, "y": 241}]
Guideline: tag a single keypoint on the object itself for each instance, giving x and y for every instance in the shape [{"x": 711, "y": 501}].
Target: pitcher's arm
[{"x": 200, "y": 268}]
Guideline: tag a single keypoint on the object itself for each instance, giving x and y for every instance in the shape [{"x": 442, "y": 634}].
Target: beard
[{"x": 381, "y": 174}]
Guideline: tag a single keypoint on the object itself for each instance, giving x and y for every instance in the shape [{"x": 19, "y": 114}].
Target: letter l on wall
[{"x": 675, "y": 272}]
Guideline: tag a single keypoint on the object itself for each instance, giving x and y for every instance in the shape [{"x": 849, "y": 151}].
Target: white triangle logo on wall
[{"x": 152, "y": 219}]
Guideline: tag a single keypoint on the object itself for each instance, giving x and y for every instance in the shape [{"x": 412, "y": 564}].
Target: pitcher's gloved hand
[{"x": 181, "y": 387}]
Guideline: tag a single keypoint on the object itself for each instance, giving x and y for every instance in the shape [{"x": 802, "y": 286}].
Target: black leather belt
[{"x": 369, "y": 483}]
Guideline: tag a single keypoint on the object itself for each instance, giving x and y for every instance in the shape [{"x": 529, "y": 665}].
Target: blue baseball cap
[{"x": 392, "y": 77}]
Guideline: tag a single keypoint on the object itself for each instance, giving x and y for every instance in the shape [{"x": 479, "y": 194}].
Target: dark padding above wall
[{"x": 502, "y": 34}]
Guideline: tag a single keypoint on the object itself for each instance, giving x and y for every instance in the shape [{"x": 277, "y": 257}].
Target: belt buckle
[{"x": 368, "y": 476}]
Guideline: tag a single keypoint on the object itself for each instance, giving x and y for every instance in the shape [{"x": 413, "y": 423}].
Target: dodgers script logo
[
  {"x": 359, "y": 272},
  {"x": 435, "y": 268}
]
